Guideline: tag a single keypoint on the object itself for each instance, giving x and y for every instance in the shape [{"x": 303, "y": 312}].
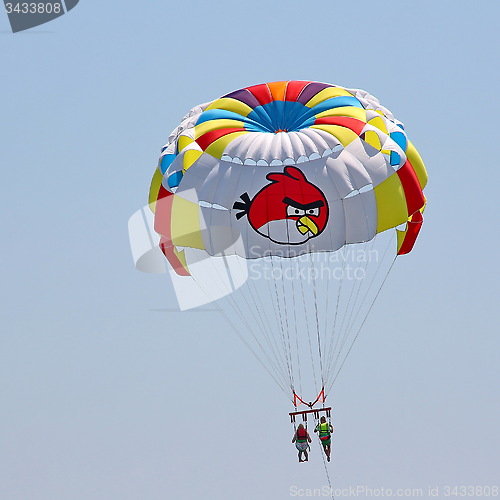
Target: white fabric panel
[
  {"x": 339, "y": 174},
  {"x": 374, "y": 162},
  {"x": 239, "y": 146},
  {"x": 357, "y": 173},
  {"x": 360, "y": 223},
  {"x": 321, "y": 138},
  {"x": 254, "y": 147},
  {"x": 220, "y": 238},
  {"x": 297, "y": 144}
]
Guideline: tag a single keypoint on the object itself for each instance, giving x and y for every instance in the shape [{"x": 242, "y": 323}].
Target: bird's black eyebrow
[{"x": 296, "y": 204}]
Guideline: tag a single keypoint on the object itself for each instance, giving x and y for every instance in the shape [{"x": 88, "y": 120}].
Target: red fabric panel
[
  {"x": 262, "y": 93},
  {"x": 344, "y": 121},
  {"x": 294, "y": 89},
  {"x": 206, "y": 139},
  {"x": 163, "y": 217},
  {"x": 414, "y": 197},
  {"x": 163, "y": 212},
  {"x": 168, "y": 250},
  {"x": 411, "y": 235}
]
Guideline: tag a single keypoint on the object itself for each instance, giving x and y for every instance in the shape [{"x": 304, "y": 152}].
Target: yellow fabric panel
[
  {"x": 231, "y": 105},
  {"x": 216, "y": 149},
  {"x": 278, "y": 90},
  {"x": 417, "y": 164},
  {"x": 190, "y": 156},
  {"x": 186, "y": 223},
  {"x": 401, "y": 237},
  {"x": 155, "y": 188},
  {"x": 183, "y": 141},
  {"x": 205, "y": 127},
  {"x": 325, "y": 94},
  {"x": 379, "y": 123},
  {"x": 373, "y": 139},
  {"x": 344, "y": 135},
  {"x": 350, "y": 111},
  {"x": 391, "y": 203}
]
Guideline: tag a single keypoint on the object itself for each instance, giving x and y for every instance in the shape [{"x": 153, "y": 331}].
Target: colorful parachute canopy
[
  {"x": 290, "y": 168},
  {"x": 274, "y": 173}
]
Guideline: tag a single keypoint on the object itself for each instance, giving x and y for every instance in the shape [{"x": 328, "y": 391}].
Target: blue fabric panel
[
  {"x": 175, "y": 179},
  {"x": 334, "y": 102},
  {"x": 166, "y": 161},
  {"x": 395, "y": 158},
  {"x": 218, "y": 114},
  {"x": 400, "y": 139}
]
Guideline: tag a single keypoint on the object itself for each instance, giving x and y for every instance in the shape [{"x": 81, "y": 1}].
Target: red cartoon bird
[{"x": 289, "y": 210}]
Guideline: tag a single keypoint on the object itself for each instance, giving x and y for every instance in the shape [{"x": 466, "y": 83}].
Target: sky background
[{"x": 106, "y": 392}]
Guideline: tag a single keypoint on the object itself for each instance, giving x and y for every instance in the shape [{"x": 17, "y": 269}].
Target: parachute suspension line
[
  {"x": 294, "y": 317},
  {"x": 314, "y": 276},
  {"x": 348, "y": 305},
  {"x": 265, "y": 325},
  {"x": 275, "y": 335},
  {"x": 281, "y": 325},
  {"x": 308, "y": 329},
  {"x": 351, "y": 307},
  {"x": 276, "y": 375},
  {"x": 350, "y": 324},
  {"x": 233, "y": 303},
  {"x": 286, "y": 316},
  {"x": 244, "y": 321},
  {"x": 332, "y": 341},
  {"x": 351, "y": 321},
  {"x": 362, "y": 324},
  {"x": 279, "y": 383},
  {"x": 368, "y": 290},
  {"x": 294, "y": 306}
]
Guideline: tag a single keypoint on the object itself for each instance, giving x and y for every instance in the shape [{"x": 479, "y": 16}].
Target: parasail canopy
[{"x": 275, "y": 172}]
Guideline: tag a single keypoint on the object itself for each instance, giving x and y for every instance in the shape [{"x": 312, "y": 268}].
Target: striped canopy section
[{"x": 265, "y": 128}]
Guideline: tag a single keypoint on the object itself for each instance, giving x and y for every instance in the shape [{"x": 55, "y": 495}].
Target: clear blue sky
[{"x": 105, "y": 393}]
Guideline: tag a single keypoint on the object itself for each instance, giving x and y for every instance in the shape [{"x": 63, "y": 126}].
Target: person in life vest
[
  {"x": 302, "y": 440},
  {"x": 325, "y": 430}
]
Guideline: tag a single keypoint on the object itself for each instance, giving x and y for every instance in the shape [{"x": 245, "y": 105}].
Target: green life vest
[{"x": 324, "y": 429}]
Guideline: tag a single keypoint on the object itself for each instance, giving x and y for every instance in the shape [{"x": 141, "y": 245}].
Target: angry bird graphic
[{"x": 289, "y": 210}]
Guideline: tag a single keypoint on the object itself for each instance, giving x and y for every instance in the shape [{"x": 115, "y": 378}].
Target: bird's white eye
[
  {"x": 294, "y": 211},
  {"x": 313, "y": 211}
]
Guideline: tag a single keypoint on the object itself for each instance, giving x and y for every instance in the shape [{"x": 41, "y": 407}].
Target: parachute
[{"x": 286, "y": 204}]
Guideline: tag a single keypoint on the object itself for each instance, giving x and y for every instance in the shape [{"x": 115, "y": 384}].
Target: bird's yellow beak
[{"x": 305, "y": 224}]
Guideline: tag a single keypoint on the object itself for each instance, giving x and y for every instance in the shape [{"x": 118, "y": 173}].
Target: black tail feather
[{"x": 243, "y": 205}]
